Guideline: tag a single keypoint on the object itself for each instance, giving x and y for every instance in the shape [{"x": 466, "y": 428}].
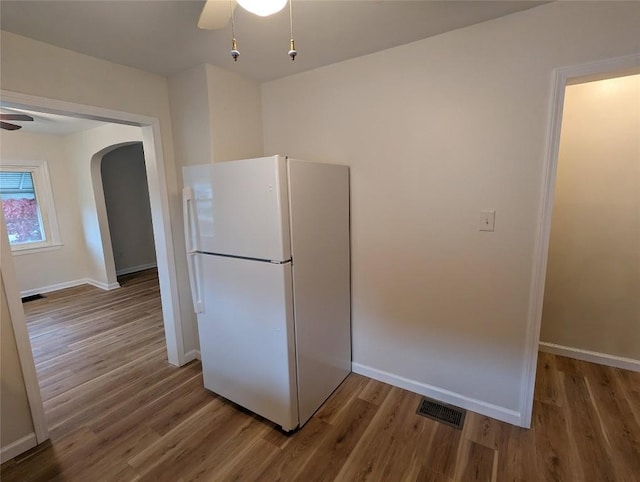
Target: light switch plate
[{"x": 487, "y": 220}]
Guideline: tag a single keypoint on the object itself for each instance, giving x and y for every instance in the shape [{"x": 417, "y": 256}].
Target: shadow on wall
[{"x": 126, "y": 197}]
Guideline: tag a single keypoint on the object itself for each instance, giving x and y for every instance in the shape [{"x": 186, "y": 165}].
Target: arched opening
[{"x": 126, "y": 197}]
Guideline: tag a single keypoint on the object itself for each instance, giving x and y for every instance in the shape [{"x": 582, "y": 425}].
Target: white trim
[
  {"x": 101, "y": 285},
  {"x": 70, "y": 284},
  {"x": 591, "y": 356},
  {"x": 16, "y": 448},
  {"x": 40, "y": 249},
  {"x": 541, "y": 249},
  {"x": 165, "y": 256},
  {"x": 23, "y": 344},
  {"x": 192, "y": 355},
  {"x": 441, "y": 394},
  {"x": 158, "y": 195},
  {"x": 55, "y": 287},
  {"x": 135, "y": 269}
]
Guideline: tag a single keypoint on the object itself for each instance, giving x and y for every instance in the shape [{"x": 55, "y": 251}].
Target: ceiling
[
  {"x": 52, "y": 124},
  {"x": 162, "y": 36}
]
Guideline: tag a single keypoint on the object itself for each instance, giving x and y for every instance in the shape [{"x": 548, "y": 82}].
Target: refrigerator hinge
[{"x": 273, "y": 261}]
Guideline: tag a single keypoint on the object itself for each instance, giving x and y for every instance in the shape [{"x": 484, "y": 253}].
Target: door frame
[
  {"x": 562, "y": 77},
  {"x": 163, "y": 238}
]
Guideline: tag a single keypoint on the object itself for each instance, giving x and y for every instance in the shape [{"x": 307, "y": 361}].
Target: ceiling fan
[
  {"x": 216, "y": 13},
  {"x": 13, "y": 117}
]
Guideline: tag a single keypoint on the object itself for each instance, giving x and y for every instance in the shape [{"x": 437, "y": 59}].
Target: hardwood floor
[{"x": 118, "y": 411}]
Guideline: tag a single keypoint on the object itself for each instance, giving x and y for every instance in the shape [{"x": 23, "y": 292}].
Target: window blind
[{"x": 12, "y": 182}]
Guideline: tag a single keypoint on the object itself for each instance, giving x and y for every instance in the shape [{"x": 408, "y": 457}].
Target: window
[{"x": 28, "y": 208}]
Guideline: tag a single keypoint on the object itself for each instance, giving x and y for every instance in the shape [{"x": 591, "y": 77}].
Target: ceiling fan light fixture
[{"x": 263, "y": 8}]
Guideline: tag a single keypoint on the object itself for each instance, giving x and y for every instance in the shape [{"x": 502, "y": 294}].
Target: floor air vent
[
  {"x": 441, "y": 412},
  {"x": 32, "y": 298}
]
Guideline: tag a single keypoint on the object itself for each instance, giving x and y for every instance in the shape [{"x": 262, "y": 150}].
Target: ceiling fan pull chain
[
  {"x": 292, "y": 45},
  {"x": 235, "y": 53}
]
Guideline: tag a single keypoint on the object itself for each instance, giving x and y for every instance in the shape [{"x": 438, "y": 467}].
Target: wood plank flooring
[{"x": 118, "y": 411}]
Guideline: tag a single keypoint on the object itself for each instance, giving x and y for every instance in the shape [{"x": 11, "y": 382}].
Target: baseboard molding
[
  {"x": 55, "y": 287},
  {"x": 494, "y": 411},
  {"x": 135, "y": 269},
  {"x": 101, "y": 285},
  {"x": 69, "y": 284},
  {"x": 192, "y": 355},
  {"x": 16, "y": 448},
  {"x": 591, "y": 356}
]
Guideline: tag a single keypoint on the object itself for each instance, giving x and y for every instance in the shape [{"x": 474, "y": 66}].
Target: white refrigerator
[{"x": 268, "y": 254}]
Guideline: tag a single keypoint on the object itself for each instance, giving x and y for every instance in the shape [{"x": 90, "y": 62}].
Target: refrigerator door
[
  {"x": 241, "y": 208},
  {"x": 246, "y": 336}
]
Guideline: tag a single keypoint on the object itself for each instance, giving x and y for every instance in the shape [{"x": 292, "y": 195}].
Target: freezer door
[
  {"x": 246, "y": 336},
  {"x": 197, "y": 199},
  {"x": 241, "y": 208}
]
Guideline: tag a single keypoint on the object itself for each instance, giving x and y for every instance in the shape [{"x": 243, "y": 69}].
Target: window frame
[{"x": 39, "y": 171}]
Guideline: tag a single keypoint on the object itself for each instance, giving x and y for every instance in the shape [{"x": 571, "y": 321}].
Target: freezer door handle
[{"x": 192, "y": 262}]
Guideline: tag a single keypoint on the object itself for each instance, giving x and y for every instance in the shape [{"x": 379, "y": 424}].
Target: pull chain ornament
[
  {"x": 292, "y": 51},
  {"x": 292, "y": 45},
  {"x": 235, "y": 53}
]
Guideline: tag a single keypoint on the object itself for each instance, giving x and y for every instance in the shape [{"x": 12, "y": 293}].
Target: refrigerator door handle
[{"x": 189, "y": 223}]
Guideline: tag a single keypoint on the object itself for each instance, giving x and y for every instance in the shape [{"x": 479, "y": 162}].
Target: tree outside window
[
  {"x": 28, "y": 206},
  {"x": 20, "y": 206}
]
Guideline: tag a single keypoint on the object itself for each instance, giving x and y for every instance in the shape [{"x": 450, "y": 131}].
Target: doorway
[
  {"x": 159, "y": 200},
  {"x": 591, "y": 307},
  {"x": 126, "y": 196},
  {"x": 604, "y": 69}
]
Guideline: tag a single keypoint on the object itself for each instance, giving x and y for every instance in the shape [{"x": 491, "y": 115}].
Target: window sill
[{"x": 36, "y": 249}]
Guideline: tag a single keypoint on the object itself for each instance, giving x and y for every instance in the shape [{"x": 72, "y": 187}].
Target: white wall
[
  {"x": 126, "y": 195},
  {"x": 16, "y": 425},
  {"x": 189, "y": 97},
  {"x": 592, "y": 292},
  {"x": 235, "y": 106},
  {"x": 86, "y": 149},
  {"x": 35, "y": 68},
  {"x": 66, "y": 264},
  {"x": 434, "y": 132},
  {"x": 218, "y": 115}
]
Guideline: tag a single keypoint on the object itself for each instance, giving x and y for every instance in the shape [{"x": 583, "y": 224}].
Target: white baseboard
[
  {"x": 494, "y": 411},
  {"x": 192, "y": 355},
  {"x": 55, "y": 287},
  {"x": 69, "y": 284},
  {"x": 14, "y": 449},
  {"x": 135, "y": 269},
  {"x": 101, "y": 285},
  {"x": 591, "y": 356}
]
